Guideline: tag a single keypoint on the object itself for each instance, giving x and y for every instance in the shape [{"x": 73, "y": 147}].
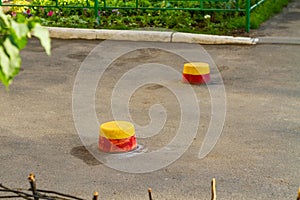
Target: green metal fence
[{"x": 241, "y": 6}]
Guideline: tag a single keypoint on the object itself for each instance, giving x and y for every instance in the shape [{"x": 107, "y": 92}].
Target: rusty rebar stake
[
  {"x": 298, "y": 198},
  {"x": 32, "y": 182},
  {"x": 150, "y": 193},
  {"x": 213, "y": 189},
  {"x": 95, "y": 197}
]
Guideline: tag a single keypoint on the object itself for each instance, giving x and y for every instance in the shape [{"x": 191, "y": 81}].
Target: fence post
[
  {"x": 201, "y": 4},
  {"x": 248, "y": 11},
  {"x": 96, "y": 8}
]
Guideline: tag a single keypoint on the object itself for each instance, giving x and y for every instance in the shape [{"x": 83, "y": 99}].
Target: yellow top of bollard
[
  {"x": 196, "y": 68},
  {"x": 117, "y": 130}
]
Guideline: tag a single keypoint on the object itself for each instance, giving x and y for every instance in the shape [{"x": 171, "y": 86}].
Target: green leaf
[
  {"x": 20, "y": 29},
  {"x": 4, "y": 62},
  {"x": 4, "y": 68},
  {"x": 21, "y": 18},
  {"x": 6, "y": 81},
  {"x": 11, "y": 49},
  {"x": 13, "y": 38},
  {"x": 32, "y": 22},
  {"x": 4, "y": 18},
  {"x": 14, "y": 57},
  {"x": 43, "y": 34},
  {"x": 19, "y": 42}
]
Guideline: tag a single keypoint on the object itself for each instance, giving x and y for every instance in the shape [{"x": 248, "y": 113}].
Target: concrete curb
[
  {"x": 103, "y": 34},
  {"x": 148, "y": 36},
  {"x": 279, "y": 40},
  {"x": 211, "y": 39}
]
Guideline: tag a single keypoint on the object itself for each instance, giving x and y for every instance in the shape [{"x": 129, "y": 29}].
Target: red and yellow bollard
[
  {"x": 117, "y": 136},
  {"x": 196, "y": 73}
]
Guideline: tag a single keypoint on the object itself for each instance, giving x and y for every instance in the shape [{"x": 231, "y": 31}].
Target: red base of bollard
[
  {"x": 117, "y": 145},
  {"x": 195, "y": 79}
]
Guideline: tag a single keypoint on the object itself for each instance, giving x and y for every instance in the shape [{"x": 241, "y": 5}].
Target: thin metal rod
[
  {"x": 20, "y": 194},
  {"x": 248, "y": 11},
  {"x": 298, "y": 198},
  {"x": 8, "y": 197},
  {"x": 257, "y": 4},
  {"x": 213, "y": 189},
  {"x": 95, "y": 197},
  {"x": 96, "y": 10},
  {"x": 150, "y": 193},
  {"x": 32, "y": 182},
  {"x": 60, "y": 194}
]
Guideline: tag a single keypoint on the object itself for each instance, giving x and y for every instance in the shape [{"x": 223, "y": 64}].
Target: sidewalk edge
[{"x": 151, "y": 36}]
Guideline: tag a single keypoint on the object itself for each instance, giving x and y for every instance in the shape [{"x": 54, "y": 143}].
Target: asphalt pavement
[{"x": 256, "y": 157}]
